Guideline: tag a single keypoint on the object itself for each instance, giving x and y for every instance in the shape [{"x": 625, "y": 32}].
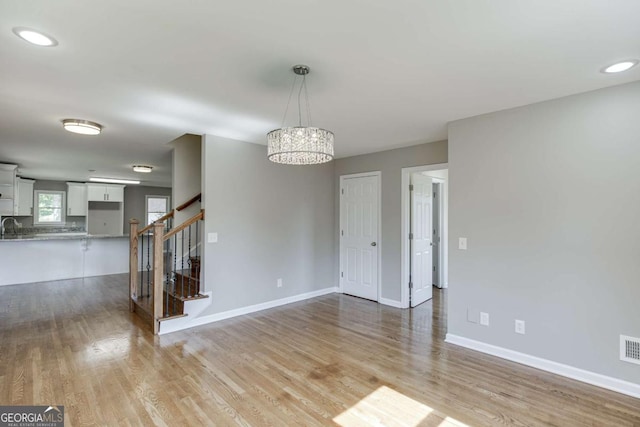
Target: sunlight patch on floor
[
  {"x": 389, "y": 408},
  {"x": 107, "y": 349}
]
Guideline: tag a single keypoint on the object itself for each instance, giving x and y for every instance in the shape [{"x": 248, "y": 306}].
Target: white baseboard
[
  {"x": 391, "y": 303},
  {"x": 197, "y": 321},
  {"x": 599, "y": 380}
]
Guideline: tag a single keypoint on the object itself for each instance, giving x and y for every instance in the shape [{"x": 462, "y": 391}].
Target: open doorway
[{"x": 424, "y": 251}]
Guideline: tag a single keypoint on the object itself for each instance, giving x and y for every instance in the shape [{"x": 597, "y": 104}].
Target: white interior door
[
  {"x": 359, "y": 236},
  {"x": 421, "y": 242}
]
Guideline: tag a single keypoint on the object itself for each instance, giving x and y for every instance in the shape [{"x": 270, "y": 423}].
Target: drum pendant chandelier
[{"x": 300, "y": 145}]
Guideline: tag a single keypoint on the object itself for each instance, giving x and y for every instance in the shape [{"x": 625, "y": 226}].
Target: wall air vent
[{"x": 630, "y": 349}]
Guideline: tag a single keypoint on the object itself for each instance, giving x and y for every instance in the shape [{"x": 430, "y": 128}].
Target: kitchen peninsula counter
[
  {"x": 33, "y": 258},
  {"x": 57, "y": 236}
]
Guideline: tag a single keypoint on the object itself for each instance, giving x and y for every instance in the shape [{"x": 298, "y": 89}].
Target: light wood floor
[{"x": 333, "y": 360}]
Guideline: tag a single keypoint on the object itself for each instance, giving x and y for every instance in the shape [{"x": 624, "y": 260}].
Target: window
[
  {"x": 49, "y": 207},
  {"x": 157, "y": 206}
]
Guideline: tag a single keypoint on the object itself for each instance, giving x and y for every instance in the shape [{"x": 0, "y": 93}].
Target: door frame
[
  {"x": 405, "y": 269},
  {"x": 378, "y": 175},
  {"x": 441, "y": 232}
]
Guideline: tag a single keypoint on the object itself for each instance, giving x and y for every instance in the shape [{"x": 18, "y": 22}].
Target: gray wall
[
  {"x": 390, "y": 163},
  {"x": 548, "y": 196},
  {"x": 273, "y": 221},
  {"x": 134, "y": 202},
  {"x": 186, "y": 174}
]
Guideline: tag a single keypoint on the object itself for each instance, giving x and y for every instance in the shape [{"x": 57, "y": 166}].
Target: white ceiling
[{"x": 384, "y": 74}]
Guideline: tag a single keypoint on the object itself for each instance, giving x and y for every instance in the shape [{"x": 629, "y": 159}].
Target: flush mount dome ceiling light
[
  {"x": 84, "y": 127},
  {"x": 300, "y": 145},
  {"x": 619, "y": 67},
  {"x": 142, "y": 168},
  {"x": 35, "y": 37}
]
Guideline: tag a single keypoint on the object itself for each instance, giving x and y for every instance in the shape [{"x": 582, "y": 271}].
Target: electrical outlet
[
  {"x": 484, "y": 319},
  {"x": 462, "y": 243},
  {"x": 212, "y": 237},
  {"x": 279, "y": 283},
  {"x": 519, "y": 326}
]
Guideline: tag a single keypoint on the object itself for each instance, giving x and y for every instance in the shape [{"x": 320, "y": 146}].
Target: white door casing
[
  {"x": 421, "y": 239},
  {"x": 436, "y": 226},
  {"x": 359, "y": 245}
]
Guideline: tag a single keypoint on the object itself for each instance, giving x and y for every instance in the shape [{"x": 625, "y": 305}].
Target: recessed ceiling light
[
  {"x": 142, "y": 168},
  {"x": 620, "y": 66},
  {"x": 35, "y": 37},
  {"x": 114, "y": 181},
  {"x": 84, "y": 127}
]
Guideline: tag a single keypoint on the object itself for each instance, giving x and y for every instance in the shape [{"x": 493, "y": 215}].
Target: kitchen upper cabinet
[
  {"x": 23, "y": 197},
  {"x": 7, "y": 188},
  {"x": 7, "y": 181},
  {"x": 76, "y": 199},
  {"x": 105, "y": 193}
]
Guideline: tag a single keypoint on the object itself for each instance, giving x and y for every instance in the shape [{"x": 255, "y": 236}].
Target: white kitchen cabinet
[
  {"x": 76, "y": 199},
  {"x": 115, "y": 193},
  {"x": 7, "y": 181},
  {"x": 105, "y": 193},
  {"x": 23, "y": 197},
  {"x": 7, "y": 188}
]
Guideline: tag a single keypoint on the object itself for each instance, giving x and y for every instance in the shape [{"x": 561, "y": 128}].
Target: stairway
[
  {"x": 184, "y": 287},
  {"x": 187, "y": 282},
  {"x": 176, "y": 291}
]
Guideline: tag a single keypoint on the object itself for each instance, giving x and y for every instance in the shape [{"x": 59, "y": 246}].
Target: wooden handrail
[
  {"x": 185, "y": 205},
  {"x": 184, "y": 225},
  {"x": 161, "y": 219}
]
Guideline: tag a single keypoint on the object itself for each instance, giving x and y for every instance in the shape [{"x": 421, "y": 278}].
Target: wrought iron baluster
[
  {"x": 141, "y": 263},
  {"x": 148, "y": 263},
  {"x": 189, "y": 263},
  {"x": 182, "y": 262},
  {"x": 175, "y": 261},
  {"x": 167, "y": 266}
]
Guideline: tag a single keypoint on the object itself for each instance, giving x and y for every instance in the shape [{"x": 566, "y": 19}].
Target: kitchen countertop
[{"x": 56, "y": 236}]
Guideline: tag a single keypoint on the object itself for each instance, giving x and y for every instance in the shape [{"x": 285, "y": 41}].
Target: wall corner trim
[
  {"x": 599, "y": 380},
  {"x": 166, "y": 327},
  {"x": 391, "y": 303}
]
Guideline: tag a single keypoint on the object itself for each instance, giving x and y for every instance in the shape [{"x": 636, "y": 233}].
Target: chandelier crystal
[{"x": 300, "y": 145}]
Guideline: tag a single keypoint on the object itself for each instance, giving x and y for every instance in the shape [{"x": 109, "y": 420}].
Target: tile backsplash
[{"x": 30, "y": 229}]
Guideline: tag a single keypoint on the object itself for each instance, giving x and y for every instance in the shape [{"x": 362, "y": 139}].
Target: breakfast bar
[{"x": 46, "y": 257}]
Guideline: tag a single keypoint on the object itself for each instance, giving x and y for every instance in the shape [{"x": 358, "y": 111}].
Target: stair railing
[
  {"x": 141, "y": 257},
  {"x": 185, "y": 205},
  {"x": 170, "y": 269}
]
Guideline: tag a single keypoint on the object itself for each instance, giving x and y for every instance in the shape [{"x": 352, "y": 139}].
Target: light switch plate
[
  {"x": 212, "y": 238},
  {"x": 484, "y": 319},
  {"x": 462, "y": 243}
]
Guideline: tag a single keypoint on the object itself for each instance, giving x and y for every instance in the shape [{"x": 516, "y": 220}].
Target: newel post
[
  {"x": 133, "y": 262},
  {"x": 158, "y": 268}
]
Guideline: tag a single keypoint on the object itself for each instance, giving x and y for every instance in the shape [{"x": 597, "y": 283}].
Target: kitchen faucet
[{"x": 15, "y": 224}]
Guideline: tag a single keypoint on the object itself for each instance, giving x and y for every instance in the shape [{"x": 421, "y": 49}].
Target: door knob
[{"x": 373, "y": 243}]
